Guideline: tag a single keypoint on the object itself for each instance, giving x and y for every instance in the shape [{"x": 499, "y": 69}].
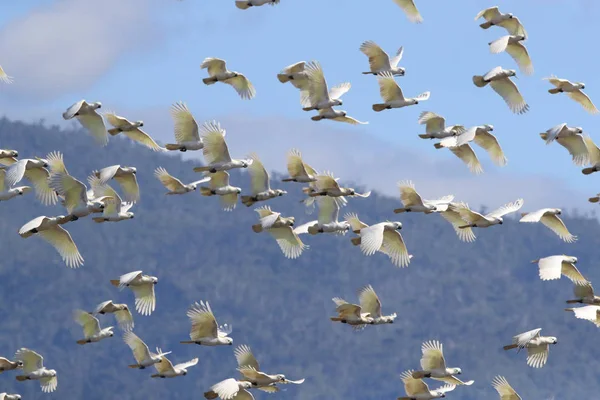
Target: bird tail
[
  {"x": 464, "y": 226},
  {"x": 247, "y": 201},
  {"x": 171, "y": 146},
  {"x": 554, "y": 90},
  {"x": 510, "y": 347},
  {"x": 317, "y": 117},
  {"x": 425, "y": 136},
  {"x": 594, "y": 199},
  {"x": 524, "y": 214},
  {"x": 99, "y": 219},
  {"x": 21, "y": 378},
  {"x": 313, "y": 230},
  {"x": 355, "y": 241},
  {"x": 399, "y": 210},
  {"x": 114, "y": 131},
  {"x": 317, "y": 194},
  {"x": 283, "y": 78},
  {"x": 134, "y": 366},
  {"x": 379, "y": 107},
  {"x": 115, "y": 282},
  {"x": 572, "y": 302},
  {"x": 82, "y": 341},
  {"x": 210, "y": 80},
  {"x": 368, "y": 73},
  {"x": 210, "y": 395},
  {"x": 587, "y": 171},
  {"x": 404, "y": 398},
  {"x": 155, "y": 376},
  {"x": 287, "y": 180},
  {"x": 479, "y": 81},
  {"x": 485, "y": 25},
  {"x": 187, "y": 342},
  {"x": 257, "y": 228},
  {"x": 438, "y": 146},
  {"x": 206, "y": 191},
  {"x": 204, "y": 168},
  {"x": 335, "y": 319},
  {"x": 308, "y": 108},
  {"x": 421, "y": 374}
]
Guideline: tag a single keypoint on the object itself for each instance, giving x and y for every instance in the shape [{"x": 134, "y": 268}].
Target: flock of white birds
[{"x": 52, "y": 183}]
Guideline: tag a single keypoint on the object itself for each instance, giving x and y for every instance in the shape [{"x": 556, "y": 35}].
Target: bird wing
[
  {"x": 577, "y": 148},
  {"x": 489, "y": 13},
  {"x": 294, "y": 68},
  {"x": 143, "y": 138},
  {"x": 433, "y": 356},
  {"x": 295, "y": 165},
  {"x": 127, "y": 278},
  {"x": 409, "y": 8},
  {"x": 433, "y": 123},
  {"x": 32, "y": 361},
  {"x": 74, "y": 109},
  {"x": 145, "y": 300},
  {"x": 49, "y": 384},
  {"x": 537, "y": 355},
  {"x": 187, "y": 364},
  {"x": 244, "y": 357},
  {"x": 101, "y": 189},
  {"x": 513, "y": 26},
  {"x": 90, "y": 324},
  {"x": 349, "y": 120},
  {"x": 349, "y": 309},
  {"x": 372, "y": 238},
  {"x": 569, "y": 270},
  {"x": 519, "y": 53},
  {"x": 589, "y": 313},
  {"x": 215, "y": 149},
  {"x": 228, "y": 201},
  {"x": 259, "y": 177},
  {"x": 243, "y": 394},
  {"x": 550, "y": 267},
  {"x": 413, "y": 386},
  {"x": 95, "y": 124},
  {"x": 534, "y": 216},
  {"x": 593, "y": 150},
  {"x": 39, "y": 178},
  {"x": 204, "y": 324},
  {"x": 395, "y": 248},
  {"x": 461, "y": 139},
  {"x": 242, "y": 86},
  {"x": 116, "y": 121},
  {"x": 214, "y": 66},
  {"x": 328, "y": 210},
  {"x": 13, "y": 174},
  {"x": 339, "y": 90},
  {"x": 74, "y": 192},
  {"x": 165, "y": 365},
  {"x": 264, "y": 212},
  {"x": 129, "y": 184},
  {"x": 506, "y": 209},
  {"x": 492, "y": 73},
  {"x": 408, "y": 194},
  {"x": 505, "y": 391},
  {"x": 369, "y": 302},
  {"x": 61, "y": 240},
  {"x": 499, "y": 45},
  {"x": 394, "y": 61},
  {"x": 355, "y": 223},
  {"x": 523, "y": 338},
  {"x": 226, "y": 389},
  {"x": 509, "y": 92},
  {"x": 464, "y": 234},
  {"x": 388, "y": 87},
  {"x": 138, "y": 347},
  {"x": 168, "y": 181},
  {"x": 378, "y": 59},
  {"x": 219, "y": 179},
  {"x": 317, "y": 91},
  {"x": 124, "y": 319},
  {"x": 583, "y": 289},
  {"x": 186, "y": 127},
  {"x": 489, "y": 143},
  {"x": 558, "y": 226},
  {"x": 468, "y": 156},
  {"x": 584, "y": 100},
  {"x": 288, "y": 240}
]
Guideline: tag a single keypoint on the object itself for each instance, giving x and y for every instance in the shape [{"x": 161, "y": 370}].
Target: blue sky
[{"x": 139, "y": 57}]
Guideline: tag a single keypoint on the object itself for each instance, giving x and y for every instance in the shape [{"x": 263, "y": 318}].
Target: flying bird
[
  {"x": 126, "y": 177},
  {"x": 8, "y": 157},
  {"x": 508, "y": 21},
  {"x": 142, "y": 287},
  {"x": 295, "y": 74},
  {"x": 318, "y": 96},
  {"x": 409, "y": 8},
  {"x": 215, "y": 150},
  {"x": 230, "y": 389},
  {"x": 574, "y": 91},
  {"x": 571, "y": 139},
  {"x": 327, "y": 185},
  {"x": 87, "y": 115},
  {"x": 131, "y": 130},
  {"x": 298, "y": 170},
  {"x": 435, "y": 126},
  {"x": 379, "y": 61},
  {"x": 413, "y": 202},
  {"x": 35, "y": 171},
  {"x": 482, "y": 137},
  {"x": 7, "y": 365},
  {"x": 499, "y": 79},
  {"x": 550, "y": 218},
  {"x": 174, "y": 185},
  {"x": 585, "y": 294},
  {"x": 475, "y": 220},
  {"x": 281, "y": 228},
  {"x": 205, "y": 329},
  {"x": 466, "y": 154},
  {"x": 250, "y": 371},
  {"x": 7, "y": 189},
  {"x": 505, "y": 391},
  {"x": 143, "y": 356},
  {"x": 327, "y": 220},
  {"x": 187, "y": 134},
  {"x": 115, "y": 209},
  {"x": 6, "y": 396},
  {"x": 219, "y": 186},
  {"x": 245, "y": 4},
  {"x": 351, "y": 314},
  {"x": 452, "y": 215},
  {"x": 260, "y": 183},
  {"x": 392, "y": 95},
  {"x": 370, "y": 303},
  {"x": 589, "y": 313},
  {"x": 218, "y": 72},
  {"x": 417, "y": 389},
  {"x": 33, "y": 369},
  {"x": 513, "y": 45},
  {"x": 4, "y": 76},
  {"x": 336, "y": 115},
  {"x": 166, "y": 369},
  {"x": 433, "y": 365},
  {"x": 91, "y": 327},
  {"x": 554, "y": 266},
  {"x": 75, "y": 194},
  {"x": 120, "y": 311},
  {"x": 537, "y": 346}
]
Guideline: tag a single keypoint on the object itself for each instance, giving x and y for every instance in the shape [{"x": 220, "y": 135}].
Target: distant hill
[{"x": 472, "y": 297}]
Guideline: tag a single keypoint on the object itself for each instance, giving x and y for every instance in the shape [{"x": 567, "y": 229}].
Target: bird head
[
  {"x": 238, "y": 190},
  {"x": 343, "y": 113},
  {"x": 488, "y": 127},
  {"x": 133, "y": 170},
  {"x": 553, "y": 340},
  {"x": 456, "y": 371},
  {"x": 184, "y": 372},
  {"x": 510, "y": 15},
  {"x": 557, "y": 211},
  {"x": 154, "y": 280},
  {"x": 19, "y": 364},
  {"x": 401, "y": 71},
  {"x": 280, "y": 377},
  {"x": 397, "y": 225},
  {"x": 13, "y": 153},
  {"x": 337, "y": 102},
  {"x": 573, "y": 259},
  {"x": 512, "y": 72},
  {"x": 351, "y": 191},
  {"x": 139, "y": 124},
  {"x": 130, "y": 215},
  {"x": 228, "y": 340},
  {"x": 98, "y": 205},
  {"x": 520, "y": 37},
  {"x": 580, "y": 85},
  {"x": 579, "y": 129},
  {"x": 52, "y": 372},
  {"x": 96, "y": 105},
  {"x": 281, "y": 192}
]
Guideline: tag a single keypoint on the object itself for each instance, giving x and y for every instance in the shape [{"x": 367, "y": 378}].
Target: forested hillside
[{"x": 473, "y": 297}]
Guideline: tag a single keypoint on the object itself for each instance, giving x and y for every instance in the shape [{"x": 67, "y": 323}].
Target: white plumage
[
  {"x": 549, "y": 217},
  {"x": 499, "y": 79},
  {"x": 218, "y": 72}
]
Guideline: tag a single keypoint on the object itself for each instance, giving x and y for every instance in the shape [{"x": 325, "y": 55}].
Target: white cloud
[{"x": 69, "y": 44}]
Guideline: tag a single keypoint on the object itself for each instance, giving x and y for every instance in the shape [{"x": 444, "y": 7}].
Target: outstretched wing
[{"x": 506, "y": 209}]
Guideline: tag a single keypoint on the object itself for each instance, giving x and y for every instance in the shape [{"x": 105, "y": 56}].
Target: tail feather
[
  {"x": 587, "y": 171},
  {"x": 205, "y": 191},
  {"x": 115, "y": 282},
  {"x": 308, "y": 108},
  {"x": 486, "y": 25},
  {"x": 425, "y": 136},
  {"x": 99, "y": 219},
  {"x": 114, "y": 131},
  {"x": 210, "y": 80},
  {"x": 155, "y": 376},
  {"x": 134, "y": 366},
  {"x": 287, "y": 180},
  {"x": 510, "y": 347},
  {"x": 257, "y": 228},
  {"x": 202, "y": 169},
  {"x": 379, "y": 107},
  {"x": 247, "y": 201},
  {"x": 313, "y": 230},
  {"x": 82, "y": 341},
  {"x": 171, "y": 146},
  {"x": 399, "y": 210},
  {"x": 316, "y": 118},
  {"x": 21, "y": 378},
  {"x": 438, "y": 146},
  {"x": 524, "y": 214},
  {"x": 594, "y": 199},
  {"x": 283, "y": 78},
  {"x": 356, "y": 241},
  {"x": 210, "y": 395},
  {"x": 420, "y": 374},
  {"x": 336, "y": 319},
  {"x": 479, "y": 81},
  {"x": 554, "y": 90},
  {"x": 187, "y": 342}
]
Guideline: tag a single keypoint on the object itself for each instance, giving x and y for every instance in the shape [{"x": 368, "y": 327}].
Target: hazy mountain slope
[{"x": 472, "y": 297}]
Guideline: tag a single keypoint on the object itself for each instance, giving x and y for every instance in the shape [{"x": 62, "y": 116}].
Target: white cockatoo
[
  {"x": 143, "y": 356},
  {"x": 230, "y": 389},
  {"x": 574, "y": 91},
  {"x": 553, "y": 267},
  {"x": 409, "y": 8},
  {"x": 370, "y": 303},
  {"x": 327, "y": 220},
  {"x": 466, "y": 154},
  {"x": 245, "y": 4},
  {"x": 336, "y": 115},
  {"x": 505, "y": 391},
  {"x": 327, "y": 185},
  {"x": 560, "y": 131},
  {"x": 75, "y": 194},
  {"x": 7, "y": 189},
  {"x": 121, "y": 312},
  {"x": 218, "y": 72},
  {"x": 474, "y": 219},
  {"x": 513, "y": 45},
  {"x": 142, "y": 287},
  {"x": 383, "y": 237},
  {"x": 91, "y": 327},
  {"x": 590, "y": 313},
  {"x": 87, "y": 115},
  {"x": 499, "y": 79},
  {"x": 250, "y": 370},
  {"x": 281, "y": 228},
  {"x": 417, "y": 389},
  {"x": 6, "y": 396},
  {"x": 7, "y": 365},
  {"x": 537, "y": 346},
  {"x": 115, "y": 209},
  {"x": 379, "y": 60},
  {"x": 187, "y": 133},
  {"x": 126, "y": 177},
  {"x": 174, "y": 185},
  {"x": 413, "y": 202},
  {"x": 482, "y": 137},
  {"x": 452, "y": 215},
  {"x": 35, "y": 170},
  {"x": 50, "y": 230},
  {"x": 584, "y": 293},
  {"x": 298, "y": 170},
  {"x": 5, "y": 78},
  {"x": 33, "y": 369},
  {"x": 215, "y": 150},
  {"x": 433, "y": 365},
  {"x": 494, "y": 17},
  {"x": 131, "y": 130},
  {"x": 205, "y": 329},
  {"x": 8, "y": 157},
  {"x": 549, "y": 217},
  {"x": 435, "y": 126},
  {"x": 260, "y": 183},
  {"x": 294, "y": 74},
  {"x": 572, "y": 139},
  {"x": 219, "y": 186},
  {"x": 318, "y": 96},
  {"x": 166, "y": 369},
  {"x": 392, "y": 95},
  {"x": 351, "y": 314}
]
